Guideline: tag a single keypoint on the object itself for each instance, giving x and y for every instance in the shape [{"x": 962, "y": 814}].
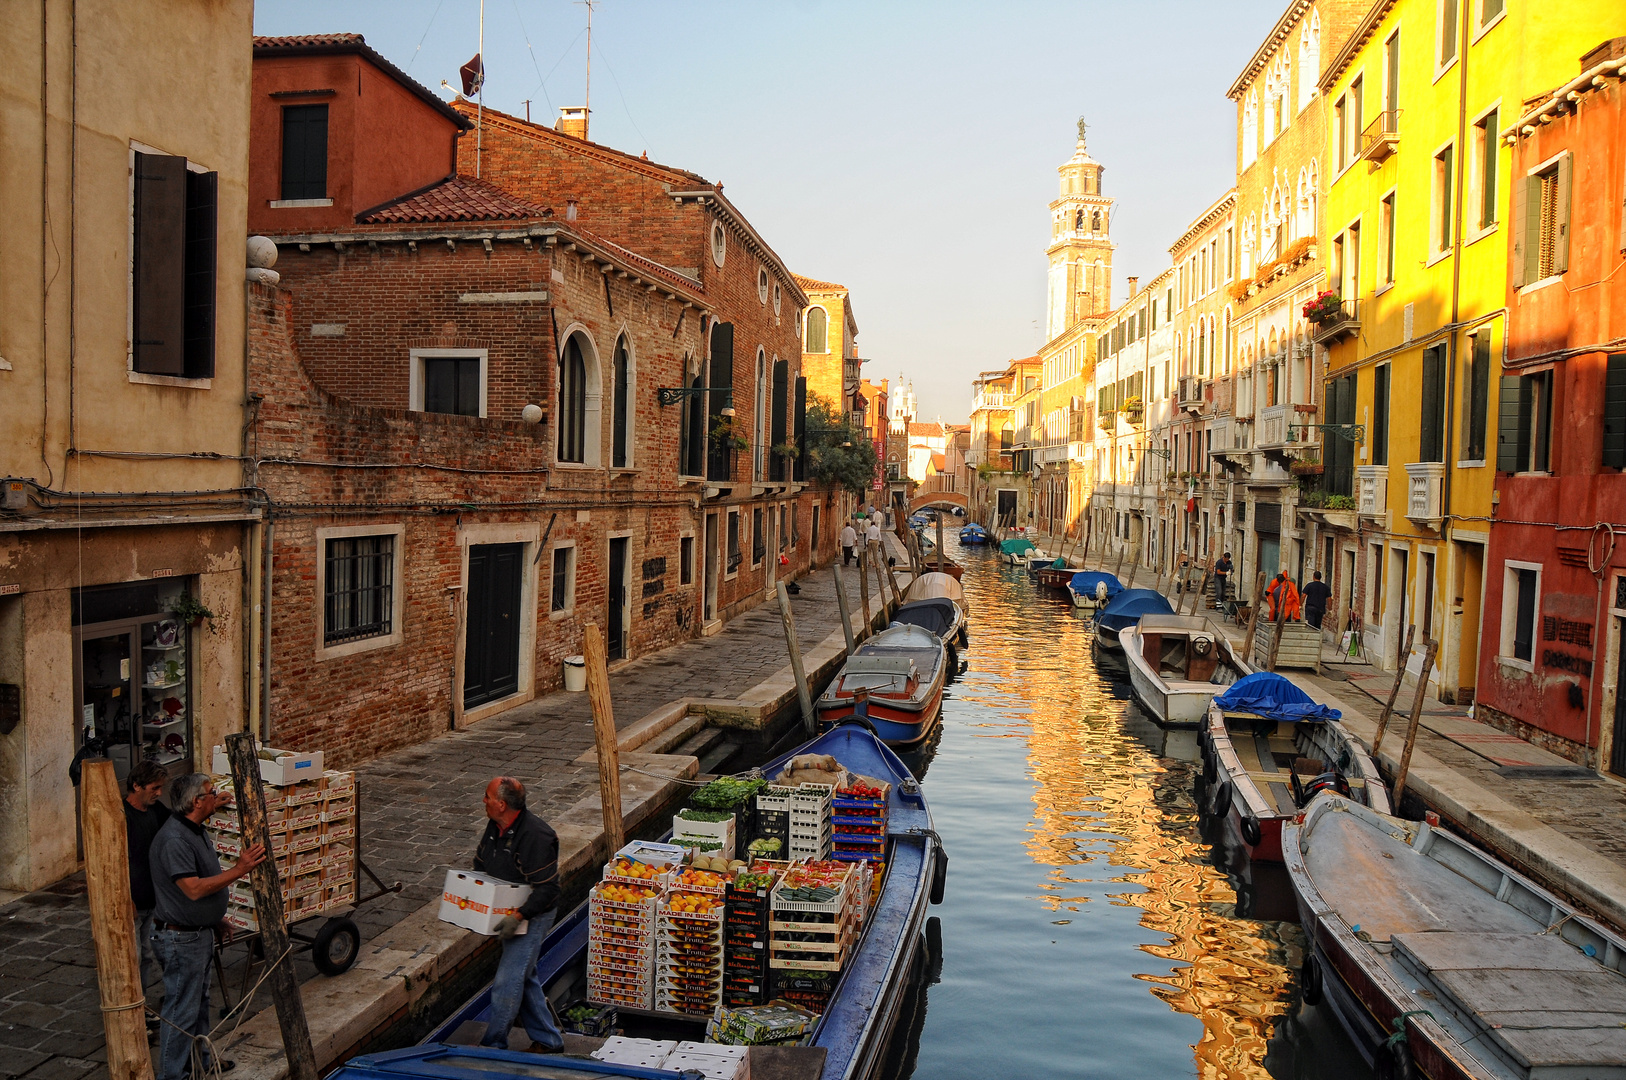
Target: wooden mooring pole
[
  {"x": 803, "y": 698},
  {"x": 863, "y": 589},
  {"x": 112, "y": 923},
  {"x": 1416, "y": 719},
  {"x": 604, "y": 737},
  {"x": 1253, "y": 617},
  {"x": 841, "y": 603},
  {"x": 1394, "y": 692}
]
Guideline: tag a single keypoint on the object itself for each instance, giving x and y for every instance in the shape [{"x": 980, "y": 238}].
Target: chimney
[
  {"x": 572, "y": 121},
  {"x": 1133, "y": 281}
]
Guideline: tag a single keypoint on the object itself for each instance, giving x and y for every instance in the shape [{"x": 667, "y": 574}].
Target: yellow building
[
  {"x": 1417, "y": 249},
  {"x": 123, "y": 173},
  {"x": 830, "y": 360}
]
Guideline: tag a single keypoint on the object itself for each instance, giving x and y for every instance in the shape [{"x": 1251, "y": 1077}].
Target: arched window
[
  {"x": 1229, "y": 344},
  {"x": 694, "y": 427},
  {"x": 1078, "y": 220},
  {"x": 777, "y": 434},
  {"x": 1309, "y": 58},
  {"x": 818, "y": 335},
  {"x": 1213, "y": 357},
  {"x": 1249, "y": 240},
  {"x": 573, "y": 402},
  {"x": 1095, "y": 221},
  {"x": 1202, "y": 354},
  {"x": 1312, "y": 187},
  {"x": 758, "y": 444},
  {"x": 621, "y": 432},
  {"x": 1250, "y": 127}
]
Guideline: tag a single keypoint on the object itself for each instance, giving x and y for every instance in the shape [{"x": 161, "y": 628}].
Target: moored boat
[
  {"x": 973, "y": 534},
  {"x": 1126, "y": 609},
  {"x": 1268, "y": 749},
  {"x": 1054, "y": 576},
  {"x": 1017, "y": 550},
  {"x": 849, "y": 1040},
  {"x": 904, "y": 669},
  {"x": 930, "y": 586},
  {"x": 1441, "y": 961},
  {"x": 937, "y": 602},
  {"x": 1177, "y": 663},
  {"x": 1093, "y": 589}
]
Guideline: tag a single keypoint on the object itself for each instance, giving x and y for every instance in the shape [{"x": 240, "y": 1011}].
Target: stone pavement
[{"x": 420, "y": 812}]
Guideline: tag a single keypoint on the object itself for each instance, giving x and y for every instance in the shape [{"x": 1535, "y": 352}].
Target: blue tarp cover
[
  {"x": 1128, "y": 606},
  {"x": 973, "y": 530},
  {"x": 1085, "y": 581},
  {"x": 1016, "y": 545},
  {"x": 1268, "y": 694}
]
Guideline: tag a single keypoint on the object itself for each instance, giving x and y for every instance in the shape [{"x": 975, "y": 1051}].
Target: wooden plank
[
  {"x": 1533, "y": 992},
  {"x": 1476, "y": 949},
  {"x": 112, "y": 923},
  {"x": 609, "y": 748},
  {"x": 1589, "y": 1049}
]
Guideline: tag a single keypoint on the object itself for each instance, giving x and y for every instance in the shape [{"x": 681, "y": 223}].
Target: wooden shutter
[
  {"x": 304, "y": 152},
  {"x": 202, "y": 198},
  {"x": 1561, "y": 215},
  {"x": 1508, "y": 420},
  {"x": 1526, "y": 227},
  {"x": 720, "y": 463},
  {"x": 1433, "y": 403},
  {"x": 801, "y": 430},
  {"x": 1479, "y": 367},
  {"x": 1614, "y": 412},
  {"x": 159, "y": 265}
]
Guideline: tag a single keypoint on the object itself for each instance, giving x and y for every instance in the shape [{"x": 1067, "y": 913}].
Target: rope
[
  {"x": 1400, "y": 1025},
  {"x": 125, "y": 1008},
  {"x": 202, "y": 1043}
]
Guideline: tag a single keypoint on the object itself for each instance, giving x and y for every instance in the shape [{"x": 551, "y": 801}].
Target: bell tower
[{"x": 1080, "y": 251}]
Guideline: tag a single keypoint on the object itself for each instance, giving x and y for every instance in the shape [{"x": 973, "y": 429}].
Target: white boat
[{"x": 1177, "y": 663}]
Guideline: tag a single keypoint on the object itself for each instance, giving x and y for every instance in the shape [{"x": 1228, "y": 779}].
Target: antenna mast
[
  {"x": 480, "y": 109},
  {"x": 588, "y": 105}
]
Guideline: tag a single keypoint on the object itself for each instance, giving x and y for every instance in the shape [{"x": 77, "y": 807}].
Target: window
[
  {"x": 1477, "y": 379},
  {"x": 1386, "y": 224},
  {"x": 1448, "y": 31},
  {"x": 686, "y": 560},
  {"x": 1524, "y": 422},
  {"x": 1377, "y": 582},
  {"x": 621, "y": 431},
  {"x": 762, "y": 284},
  {"x": 1442, "y": 200},
  {"x": 778, "y": 435},
  {"x": 1431, "y": 433},
  {"x": 304, "y": 152},
  {"x": 1380, "y": 415},
  {"x": 562, "y": 597},
  {"x": 759, "y": 539},
  {"x": 358, "y": 593},
  {"x": 1489, "y": 10},
  {"x": 817, "y": 331},
  {"x": 1340, "y": 113},
  {"x": 1484, "y": 148},
  {"x": 1541, "y": 213},
  {"x": 451, "y": 384},
  {"x": 172, "y": 268},
  {"x": 784, "y": 533},
  {"x": 1521, "y": 599},
  {"x": 573, "y": 403},
  {"x": 1250, "y": 127},
  {"x": 1391, "y": 78},
  {"x": 694, "y": 428},
  {"x": 1309, "y": 58},
  {"x": 719, "y": 243},
  {"x": 814, "y": 535},
  {"x": 1350, "y": 287},
  {"x": 1614, "y": 412},
  {"x": 733, "y": 542}
]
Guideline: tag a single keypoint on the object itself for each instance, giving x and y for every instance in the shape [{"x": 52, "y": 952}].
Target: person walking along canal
[
  {"x": 849, "y": 540},
  {"x": 1316, "y": 595},
  {"x": 189, "y": 890},
  {"x": 520, "y": 848}
]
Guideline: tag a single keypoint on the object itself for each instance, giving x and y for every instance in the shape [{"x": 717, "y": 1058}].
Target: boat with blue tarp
[
  {"x": 846, "y": 1042},
  {"x": 1125, "y": 609},
  {"x": 1093, "y": 589}
]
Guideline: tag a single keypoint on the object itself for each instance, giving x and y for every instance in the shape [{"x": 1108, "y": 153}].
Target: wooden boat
[
  {"x": 1018, "y": 551},
  {"x": 850, "y": 1039},
  {"x": 904, "y": 668},
  {"x": 1126, "y": 609},
  {"x": 1177, "y": 663},
  {"x": 973, "y": 534},
  {"x": 936, "y": 602},
  {"x": 931, "y": 586},
  {"x": 1483, "y": 974},
  {"x": 1266, "y": 767},
  {"x": 1052, "y": 576},
  {"x": 1093, "y": 589}
]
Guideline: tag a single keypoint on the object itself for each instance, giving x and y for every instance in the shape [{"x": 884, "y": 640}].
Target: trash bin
[{"x": 575, "y": 674}]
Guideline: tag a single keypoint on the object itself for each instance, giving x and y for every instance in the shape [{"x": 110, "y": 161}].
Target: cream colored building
[{"x": 123, "y": 173}]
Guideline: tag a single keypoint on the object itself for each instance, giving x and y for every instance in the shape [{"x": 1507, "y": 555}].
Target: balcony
[
  {"x": 1381, "y": 137},
  {"x": 1189, "y": 395},
  {"x": 1343, "y": 323},
  {"x": 1372, "y": 491},
  {"x": 1425, "y": 483},
  {"x": 990, "y": 399}
]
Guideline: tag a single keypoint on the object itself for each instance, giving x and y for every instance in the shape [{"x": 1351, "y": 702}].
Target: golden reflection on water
[{"x": 1102, "y": 798}]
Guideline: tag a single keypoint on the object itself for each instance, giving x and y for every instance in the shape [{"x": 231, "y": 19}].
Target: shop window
[
  {"x": 1521, "y": 599},
  {"x": 304, "y": 152},
  {"x": 172, "y": 264},
  {"x": 358, "y": 591},
  {"x": 562, "y": 596}
]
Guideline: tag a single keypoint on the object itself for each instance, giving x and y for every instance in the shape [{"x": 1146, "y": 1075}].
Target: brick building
[{"x": 481, "y": 426}]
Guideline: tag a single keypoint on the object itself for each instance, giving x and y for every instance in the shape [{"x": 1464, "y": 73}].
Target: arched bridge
[{"x": 937, "y": 498}]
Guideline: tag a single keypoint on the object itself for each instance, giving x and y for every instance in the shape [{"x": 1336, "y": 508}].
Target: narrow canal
[{"x": 1096, "y": 924}]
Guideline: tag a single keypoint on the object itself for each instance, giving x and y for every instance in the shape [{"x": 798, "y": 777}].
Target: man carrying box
[{"x": 520, "y": 848}]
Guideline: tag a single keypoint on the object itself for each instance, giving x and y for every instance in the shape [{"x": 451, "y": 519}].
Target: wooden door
[{"x": 491, "y": 642}]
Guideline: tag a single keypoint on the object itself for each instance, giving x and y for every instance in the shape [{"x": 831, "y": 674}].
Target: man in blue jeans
[
  {"x": 190, "y": 891},
  {"x": 520, "y": 848}
]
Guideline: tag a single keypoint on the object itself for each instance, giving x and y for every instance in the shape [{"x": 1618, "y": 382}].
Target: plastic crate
[
  {"x": 847, "y": 802},
  {"x": 600, "y": 1025}
]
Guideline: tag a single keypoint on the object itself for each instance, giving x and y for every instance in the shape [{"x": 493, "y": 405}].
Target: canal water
[{"x": 1096, "y": 924}]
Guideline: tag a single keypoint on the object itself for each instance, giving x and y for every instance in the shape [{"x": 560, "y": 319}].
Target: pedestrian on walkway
[
  {"x": 1316, "y": 595},
  {"x": 144, "y": 815},
  {"x": 521, "y": 848},
  {"x": 189, "y": 889},
  {"x": 1283, "y": 592},
  {"x": 849, "y": 540},
  {"x": 873, "y": 533},
  {"x": 1222, "y": 574}
]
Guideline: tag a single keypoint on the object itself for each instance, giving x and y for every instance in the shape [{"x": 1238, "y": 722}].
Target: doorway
[
  {"x": 491, "y": 638},
  {"x": 1465, "y": 608},
  {"x": 616, "y": 645},
  {"x": 709, "y": 606},
  {"x": 1617, "y": 746},
  {"x": 1007, "y": 507}
]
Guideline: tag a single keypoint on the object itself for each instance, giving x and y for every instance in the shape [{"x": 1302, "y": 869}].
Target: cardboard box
[
  {"x": 478, "y": 902},
  {"x": 288, "y": 768}
]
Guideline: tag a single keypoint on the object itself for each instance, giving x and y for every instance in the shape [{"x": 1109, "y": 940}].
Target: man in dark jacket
[
  {"x": 520, "y": 848},
  {"x": 144, "y": 815},
  {"x": 1222, "y": 575},
  {"x": 1316, "y": 595}
]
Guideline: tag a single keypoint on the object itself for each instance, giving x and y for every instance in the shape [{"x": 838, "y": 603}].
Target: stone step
[
  {"x": 677, "y": 735},
  {"x": 719, "y": 755},
  {"x": 701, "y": 740}
]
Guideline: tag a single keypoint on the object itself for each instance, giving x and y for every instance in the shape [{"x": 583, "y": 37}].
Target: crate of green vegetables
[
  {"x": 583, "y": 1018},
  {"x": 728, "y": 795}
]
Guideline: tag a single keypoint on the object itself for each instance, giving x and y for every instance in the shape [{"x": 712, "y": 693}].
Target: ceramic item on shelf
[{"x": 166, "y": 634}]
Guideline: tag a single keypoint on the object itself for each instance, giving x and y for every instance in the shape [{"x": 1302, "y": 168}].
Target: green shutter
[
  {"x": 1507, "y": 425},
  {"x": 1526, "y": 228},
  {"x": 1614, "y": 412},
  {"x": 1561, "y": 215},
  {"x": 1433, "y": 404}
]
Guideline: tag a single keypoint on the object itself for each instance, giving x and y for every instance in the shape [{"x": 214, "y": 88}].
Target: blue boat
[
  {"x": 904, "y": 669},
  {"x": 1086, "y": 587},
  {"x": 849, "y": 1041},
  {"x": 973, "y": 534},
  {"x": 1125, "y": 610}
]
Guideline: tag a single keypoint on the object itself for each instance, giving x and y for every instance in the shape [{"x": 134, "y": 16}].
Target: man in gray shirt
[{"x": 190, "y": 889}]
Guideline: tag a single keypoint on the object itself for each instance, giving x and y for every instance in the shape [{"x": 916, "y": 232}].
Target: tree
[{"x": 838, "y": 453}]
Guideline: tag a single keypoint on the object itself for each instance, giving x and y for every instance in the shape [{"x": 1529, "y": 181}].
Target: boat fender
[
  {"x": 939, "y": 873},
  {"x": 1251, "y": 831},
  {"x": 1394, "y": 1056},
  {"x": 859, "y": 721},
  {"x": 1310, "y": 981},
  {"x": 1222, "y": 801}
]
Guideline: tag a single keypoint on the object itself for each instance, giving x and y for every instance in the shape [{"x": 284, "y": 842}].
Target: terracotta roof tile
[
  {"x": 457, "y": 198},
  {"x": 298, "y": 41},
  {"x": 927, "y": 430},
  {"x": 330, "y": 44},
  {"x": 816, "y": 285}
]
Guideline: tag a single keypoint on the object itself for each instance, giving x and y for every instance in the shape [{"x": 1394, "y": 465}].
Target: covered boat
[
  {"x": 1442, "y": 962},
  {"x": 1126, "y": 609},
  {"x": 1268, "y": 749},
  {"x": 973, "y": 534},
  {"x": 1177, "y": 663},
  {"x": 847, "y": 1043},
  {"x": 904, "y": 669},
  {"x": 932, "y": 586},
  {"x": 1017, "y": 550},
  {"x": 941, "y": 616},
  {"x": 1093, "y": 588}
]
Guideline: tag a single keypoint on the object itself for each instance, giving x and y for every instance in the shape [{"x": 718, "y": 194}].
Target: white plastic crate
[{"x": 648, "y": 1053}]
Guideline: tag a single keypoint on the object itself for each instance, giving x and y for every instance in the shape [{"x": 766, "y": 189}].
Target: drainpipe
[{"x": 267, "y": 532}]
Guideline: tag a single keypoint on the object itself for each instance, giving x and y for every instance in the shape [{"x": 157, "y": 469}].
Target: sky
[{"x": 905, "y": 150}]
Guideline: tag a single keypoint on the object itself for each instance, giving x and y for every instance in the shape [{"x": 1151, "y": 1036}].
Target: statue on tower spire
[{"x": 1082, "y": 128}]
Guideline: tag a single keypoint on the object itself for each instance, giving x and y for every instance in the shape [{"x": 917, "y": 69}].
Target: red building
[{"x": 1555, "y": 591}]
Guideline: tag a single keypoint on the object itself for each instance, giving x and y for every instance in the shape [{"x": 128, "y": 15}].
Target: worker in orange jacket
[{"x": 1283, "y": 592}]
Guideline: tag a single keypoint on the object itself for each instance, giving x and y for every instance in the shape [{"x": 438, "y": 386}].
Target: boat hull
[
  {"x": 895, "y": 727},
  {"x": 1182, "y": 705},
  {"x": 1107, "y": 638}
]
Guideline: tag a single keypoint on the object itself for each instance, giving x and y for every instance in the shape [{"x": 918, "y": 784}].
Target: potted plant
[
  {"x": 190, "y": 610},
  {"x": 1134, "y": 408},
  {"x": 1340, "y": 502},
  {"x": 724, "y": 433},
  {"x": 787, "y": 450},
  {"x": 1327, "y": 307}
]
